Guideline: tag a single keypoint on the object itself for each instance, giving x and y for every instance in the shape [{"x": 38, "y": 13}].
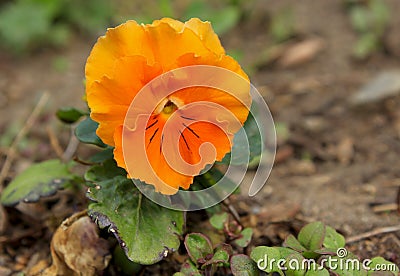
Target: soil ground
[{"x": 335, "y": 161}]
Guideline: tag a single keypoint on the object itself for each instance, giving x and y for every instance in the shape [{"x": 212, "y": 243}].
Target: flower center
[{"x": 169, "y": 108}]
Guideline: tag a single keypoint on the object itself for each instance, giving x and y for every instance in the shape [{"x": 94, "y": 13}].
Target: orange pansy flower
[{"x": 128, "y": 58}]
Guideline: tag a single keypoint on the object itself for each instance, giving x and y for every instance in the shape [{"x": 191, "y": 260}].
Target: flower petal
[
  {"x": 207, "y": 34},
  {"x": 165, "y": 149},
  {"x": 110, "y": 98},
  {"x": 199, "y": 133},
  {"x": 202, "y": 29},
  {"x": 149, "y": 166},
  {"x": 163, "y": 41},
  {"x": 235, "y": 97},
  {"x": 116, "y": 43},
  {"x": 168, "y": 45}
]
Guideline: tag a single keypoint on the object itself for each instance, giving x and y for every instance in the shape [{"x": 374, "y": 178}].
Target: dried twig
[
  {"x": 55, "y": 144},
  {"x": 385, "y": 207},
  {"x": 232, "y": 211},
  {"x": 83, "y": 162},
  {"x": 71, "y": 148},
  {"x": 382, "y": 230},
  {"x": 12, "y": 151}
]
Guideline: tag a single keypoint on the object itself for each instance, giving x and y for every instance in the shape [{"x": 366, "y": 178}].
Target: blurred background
[{"x": 329, "y": 71}]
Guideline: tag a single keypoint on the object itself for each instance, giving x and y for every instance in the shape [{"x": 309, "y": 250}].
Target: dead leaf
[
  {"x": 77, "y": 249},
  {"x": 301, "y": 52}
]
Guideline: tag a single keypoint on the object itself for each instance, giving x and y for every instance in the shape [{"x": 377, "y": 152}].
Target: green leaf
[
  {"x": 366, "y": 45},
  {"x": 104, "y": 172},
  {"x": 282, "y": 25},
  {"x": 59, "y": 34},
  {"x": 209, "y": 178},
  {"x": 222, "y": 20},
  {"x": 293, "y": 243},
  {"x": 69, "y": 115},
  {"x": 360, "y": 19},
  {"x": 52, "y": 7},
  {"x": 198, "y": 246},
  {"x": 381, "y": 16},
  {"x": 263, "y": 256},
  {"x": 39, "y": 180},
  {"x": 351, "y": 265},
  {"x": 322, "y": 272},
  {"x": 166, "y": 8},
  {"x": 242, "y": 265},
  {"x": 213, "y": 210},
  {"x": 378, "y": 263},
  {"x": 251, "y": 131},
  {"x": 218, "y": 220},
  {"x": 91, "y": 16},
  {"x": 146, "y": 231},
  {"x": 225, "y": 20},
  {"x": 221, "y": 255},
  {"x": 333, "y": 240},
  {"x": 23, "y": 24},
  {"x": 294, "y": 265},
  {"x": 86, "y": 133},
  {"x": 102, "y": 156},
  {"x": 325, "y": 251},
  {"x": 124, "y": 264},
  {"x": 245, "y": 238},
  {"x": 312, "y": 235},
  {"x": 189, "y": 269},
  {"x": 203, "y": 181}
]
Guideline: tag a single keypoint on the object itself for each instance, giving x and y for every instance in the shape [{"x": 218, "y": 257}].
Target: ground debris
[
  {"x": 5, "y": 271},
  {"x": 382, "y": 86},
  {"x": 345, "y": 150},
  {"x": 77, "y": 249},
  {"x": 301, "y": 52},
  {"x": 3, "y": 220}
]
